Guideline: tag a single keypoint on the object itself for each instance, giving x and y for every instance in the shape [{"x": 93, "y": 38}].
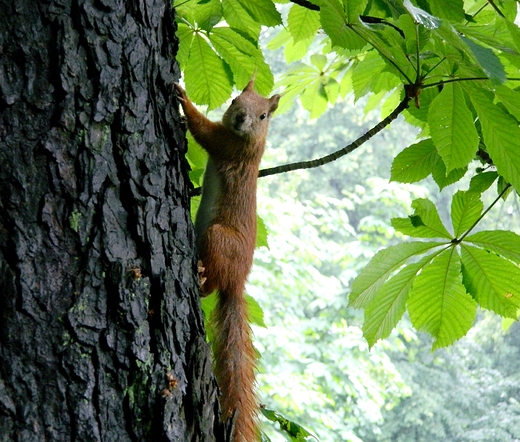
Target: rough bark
[{"x": 101, "y": 337}]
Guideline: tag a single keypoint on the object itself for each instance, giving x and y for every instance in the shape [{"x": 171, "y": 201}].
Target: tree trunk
[{"x": 101, "y": 336}]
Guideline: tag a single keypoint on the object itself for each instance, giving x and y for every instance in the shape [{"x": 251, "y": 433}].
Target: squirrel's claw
[
  {"x": 180, "y": 92},
  {"x": 200, "y": 270}
]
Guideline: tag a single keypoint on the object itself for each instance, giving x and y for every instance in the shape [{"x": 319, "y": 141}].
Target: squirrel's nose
[{"x": 240, "y": 118}]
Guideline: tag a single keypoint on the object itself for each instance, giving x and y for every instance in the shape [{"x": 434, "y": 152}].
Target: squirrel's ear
[
  {"x": 249, "y": 87},
  {"x": 273, "y": 103},
  {"x": 251, "y": 83}
]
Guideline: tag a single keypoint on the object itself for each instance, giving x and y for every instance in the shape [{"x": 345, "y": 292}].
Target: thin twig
[
  {"x": 338, "y": 154},
  {"x": 482, "y": 215}
]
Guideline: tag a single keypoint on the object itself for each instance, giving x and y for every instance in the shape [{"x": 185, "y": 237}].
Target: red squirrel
[{"x": 226, "y": 236}]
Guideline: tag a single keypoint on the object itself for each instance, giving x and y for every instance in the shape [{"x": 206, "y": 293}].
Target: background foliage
[{"x": 456, "y": 63}]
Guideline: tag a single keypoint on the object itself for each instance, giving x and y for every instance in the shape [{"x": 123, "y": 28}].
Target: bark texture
[{"x": 101, "y": 337}]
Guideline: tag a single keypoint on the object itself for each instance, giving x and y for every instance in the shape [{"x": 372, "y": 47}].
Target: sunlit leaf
[
  {"x": 255, "y": 312},
  {"x": 335, "y": 24},
  {"x": 438, "y": 303},
  {"x": 364, "y": 72},
  {"x": 302, "y": 22},
  {"x": 444, "y": 179},
  {"x": 295, "y": 431},
  {"x": 185, "y": 35},
  {"x": 389, "y": 304},
  {"x": 510, "y": 99},
  {"x": 466, "y": 208},
  {"x": 391, "y": 46},
  {"x": 424, "y": 223},
  {"x": 501, "y": 242},
  {"x": 208, "y": 14},
  {"x": 501, "y": 134},
  {"x": 376, "y": 272},
  {"x": 237, "y": 17},
  {"x": 415, "y": 162},
  {"x": 206, "y": 75},
  {"x": 263, "y": 11},
  {"x": 243, "y": 58},
  {"x": 452, "y": 128},
  {"x": 493, "y": 281},
  {"x": 261, "y": 234},
  {"x": 314, "y": 99}
]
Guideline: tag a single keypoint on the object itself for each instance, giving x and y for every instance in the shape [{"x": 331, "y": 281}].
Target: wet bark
[{"x": 101, "y": 336}]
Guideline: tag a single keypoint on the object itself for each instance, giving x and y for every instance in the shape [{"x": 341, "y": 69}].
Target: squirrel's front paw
[
  {"x": 200, "y": 270},
  {"x": 180, "y": 92}
]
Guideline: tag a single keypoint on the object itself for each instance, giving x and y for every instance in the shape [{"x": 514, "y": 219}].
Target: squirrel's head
[{"x": 249, "y": 113}]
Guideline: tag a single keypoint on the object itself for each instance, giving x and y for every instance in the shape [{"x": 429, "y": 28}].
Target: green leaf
[
  {"x": 444, "y": 179},
  {"x": 501, "y": 242},
  {"x": 501, "y": 135},
  {"x": 206, "y": 75},
  {"x": 415, "y": 162},
  {"x": 244, "y": 58},
  {"x": 302, "y": 22},
  {"x": 335, "y": 24},
  {"x": 452, "y": 128},
  {"x": 375, "y": 273},
  {"x": 451, "y": 9},
  {"x": 293, "y": 430},
  {"x": 510, "y": 99},
  {"x": 208, "y": 15},
  {"x": 314, "y": 99},
  {"x": 196, "y": 156},
  {"x": 295, "y": 51},
  {"x": 332, "y": 89},
  {"x": 438, "y": 302},
  {"x": 237, "y": 17},
  {"x": 466, "y": 208},
  {"x": 424, "y": 223},
  {"x": 319, "y": 61},
  {"x": 493, "y": 281},
  {"x": 391, "y": 46},
  {"x": 261, "y": 233},
  {"x": 487, "y": 60},
  {"x": 208, "y": 304},
  {"x": 255, "y": 312},
  {"x": 507, "y": 323},
  {"x": 353, "y": 8},
  {"x": 185, "y": 35},
  {"x": 389, "y": 303},
  {"x": 482, "y": 181},
  {"x": 364, "y": 72},
  {"x": 263, "y": 11}
]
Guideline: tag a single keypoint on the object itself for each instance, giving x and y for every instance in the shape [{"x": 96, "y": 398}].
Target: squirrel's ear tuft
[
  {"x": 273, "y": 103},
  {"x": 251, "y": 83}
]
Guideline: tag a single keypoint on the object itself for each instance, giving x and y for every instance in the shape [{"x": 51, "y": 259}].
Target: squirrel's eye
[
  {"x": 262, "y": 117},
  {"x": 233, "y": 101}
]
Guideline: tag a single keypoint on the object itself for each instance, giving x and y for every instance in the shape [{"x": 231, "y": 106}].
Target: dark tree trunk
[{"x": 101, "y": 337}]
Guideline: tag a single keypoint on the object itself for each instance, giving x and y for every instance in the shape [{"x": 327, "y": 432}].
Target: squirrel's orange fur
[{"x": 226, "y": 237}]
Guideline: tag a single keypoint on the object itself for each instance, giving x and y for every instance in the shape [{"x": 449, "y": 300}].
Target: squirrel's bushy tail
[{"x": 235, "y": 364}]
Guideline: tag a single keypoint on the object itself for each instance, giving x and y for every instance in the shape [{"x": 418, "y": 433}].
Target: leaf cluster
[
  {"x": 457, "y": 62},
  {"x": 214, "y": 58}
]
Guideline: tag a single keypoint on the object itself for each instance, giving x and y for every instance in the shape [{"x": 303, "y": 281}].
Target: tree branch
[
  {"x": 346, "y": 150},
  {"x": 306, "y": 4}
]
